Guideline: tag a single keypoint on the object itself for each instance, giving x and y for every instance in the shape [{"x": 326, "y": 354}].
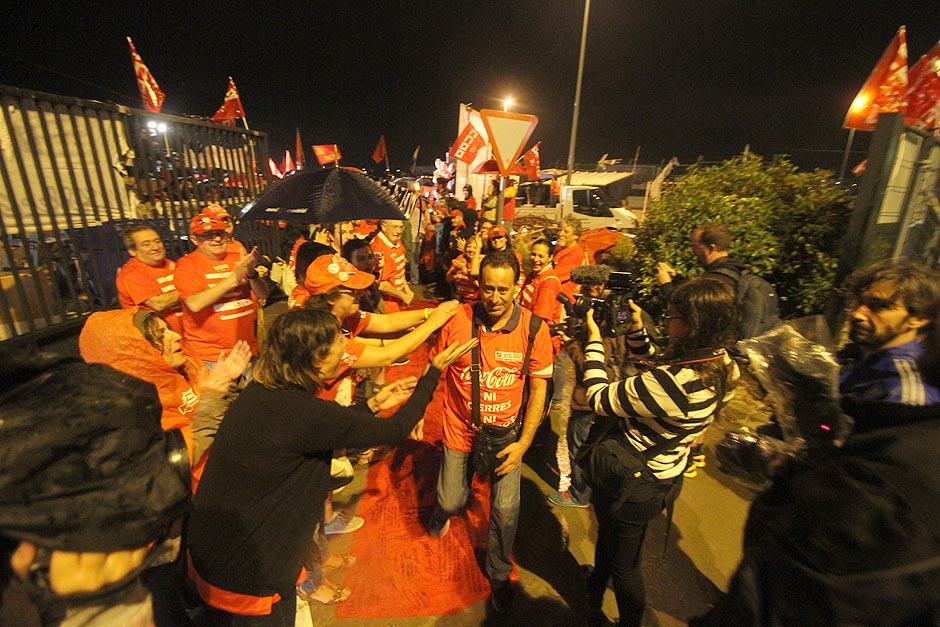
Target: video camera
[{"x": 612, "y": 313}]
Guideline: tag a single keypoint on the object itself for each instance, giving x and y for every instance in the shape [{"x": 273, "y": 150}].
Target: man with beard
[{"x": 888, "y": 320}]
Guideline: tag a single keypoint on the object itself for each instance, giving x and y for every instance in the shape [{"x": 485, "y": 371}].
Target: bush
[{"x": 786, "y": 226}]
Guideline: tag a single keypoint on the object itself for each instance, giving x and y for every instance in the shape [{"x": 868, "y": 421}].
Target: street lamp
[{"x": 507, "y": 103}]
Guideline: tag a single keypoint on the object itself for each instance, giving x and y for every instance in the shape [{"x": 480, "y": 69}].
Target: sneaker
[
  {"x": 698, "y": 460},
  {"x": 502, "y": 597},
  {"x": 440, "y": 533},
  {"x": 563, "y": 499},
  {"x": 341, "y": 524},
  {"x": 691, "y": 472}
]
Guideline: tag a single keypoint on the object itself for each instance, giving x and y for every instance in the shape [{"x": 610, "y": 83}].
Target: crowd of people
[{"x": 190, "y": 410}]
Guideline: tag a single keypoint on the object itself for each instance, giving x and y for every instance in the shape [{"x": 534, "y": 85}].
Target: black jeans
[
  {"x": 283, "y": 614},
  {"x": 620, "y": 535}
]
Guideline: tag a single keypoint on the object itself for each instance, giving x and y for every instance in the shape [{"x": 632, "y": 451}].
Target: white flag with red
[
  {"x": 150, "y": 93},
  {"x": 467, "y": 145},
  {"x": 923, "y": 95}
]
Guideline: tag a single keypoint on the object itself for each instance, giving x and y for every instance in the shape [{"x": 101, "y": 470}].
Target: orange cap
[{"x": 329, "y": 271}]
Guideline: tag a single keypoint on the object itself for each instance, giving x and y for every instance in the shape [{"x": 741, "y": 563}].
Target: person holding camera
[{"x": 636, "y": 456}]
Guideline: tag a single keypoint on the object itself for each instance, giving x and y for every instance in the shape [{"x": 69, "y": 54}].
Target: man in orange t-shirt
[
  {"x": 387, "y": 245},
  {"x": 504, "y": 336},
  {"x": 218, "y": 288},
  {"x": 147, "y": 279}
]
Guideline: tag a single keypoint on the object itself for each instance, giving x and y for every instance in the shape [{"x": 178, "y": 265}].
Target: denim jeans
[
  {"x": 318, "y": 552},
  {"x": 453, "y": 488},
  {"x": 579, "y": 426},
  {"x": 559, "y": 372}
]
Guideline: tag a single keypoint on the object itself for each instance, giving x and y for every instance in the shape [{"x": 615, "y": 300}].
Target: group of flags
[
  {"x": 891, "y": 87},
  {"x": 152, "y": 96}
]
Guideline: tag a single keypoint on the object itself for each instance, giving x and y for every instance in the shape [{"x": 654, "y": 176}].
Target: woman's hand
[
  {"x": 450, "y": 354},
  {"x": 439, "y": 316},
  {"x": 394, "y": 393},
  {"x": 227, "y": 369}
]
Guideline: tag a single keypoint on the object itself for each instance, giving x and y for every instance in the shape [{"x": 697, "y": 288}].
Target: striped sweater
[{"x": 666, "y": 403}]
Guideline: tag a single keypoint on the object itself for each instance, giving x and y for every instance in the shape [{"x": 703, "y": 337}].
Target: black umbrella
[{"x": 321, "y": 197}]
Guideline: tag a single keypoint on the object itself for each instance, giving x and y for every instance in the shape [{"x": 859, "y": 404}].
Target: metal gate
[{"x": 74, "y": 174}]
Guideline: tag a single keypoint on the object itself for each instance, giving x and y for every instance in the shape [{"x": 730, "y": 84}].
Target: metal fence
[{"x": 74, "y": 174}]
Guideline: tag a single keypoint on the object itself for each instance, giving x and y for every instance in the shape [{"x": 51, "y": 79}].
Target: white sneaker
[{"x": 342, "y": 524}]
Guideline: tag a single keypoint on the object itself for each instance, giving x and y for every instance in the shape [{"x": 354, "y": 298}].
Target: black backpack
[{"x": 757, "y": 300}]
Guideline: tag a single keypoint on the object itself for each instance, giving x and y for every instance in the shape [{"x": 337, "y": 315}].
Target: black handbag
[{"x": 491, "y": 439}]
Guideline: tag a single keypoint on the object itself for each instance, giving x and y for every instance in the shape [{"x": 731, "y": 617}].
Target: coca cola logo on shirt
[{"x": 499, "y": 377}]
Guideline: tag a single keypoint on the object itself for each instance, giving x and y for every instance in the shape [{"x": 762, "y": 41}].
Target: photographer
[
  {"x": 637, "y": 456},
  {"x": 573, "y": 490}
]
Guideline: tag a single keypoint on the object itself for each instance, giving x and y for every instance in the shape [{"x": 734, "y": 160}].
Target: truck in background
[{"x": 590, "y": 204}]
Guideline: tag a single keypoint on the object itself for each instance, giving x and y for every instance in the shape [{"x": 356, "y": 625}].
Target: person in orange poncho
[{"x": 193, "y": 399}]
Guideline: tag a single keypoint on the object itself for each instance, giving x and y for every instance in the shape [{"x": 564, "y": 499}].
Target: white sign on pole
[{"x": 508, "y": 134}]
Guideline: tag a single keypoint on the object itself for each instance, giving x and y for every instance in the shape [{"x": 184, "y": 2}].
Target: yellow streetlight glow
[
  {"x": 507, "y": 103},
  {"x": 860, "y": 102}
]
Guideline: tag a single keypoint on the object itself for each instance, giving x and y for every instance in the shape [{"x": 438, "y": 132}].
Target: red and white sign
[
  {"x": 467, "y": 145},
  {"x": 923, "y": 96},
  {"x": 508, "y": 133}
]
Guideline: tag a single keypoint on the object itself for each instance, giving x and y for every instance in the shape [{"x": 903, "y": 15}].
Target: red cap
[
  {"x": 202, "y": 223},
  {"x": 329, "y": 271},
  {"x": 496, "y": 231},
  {"x": 217, "y": 211}
]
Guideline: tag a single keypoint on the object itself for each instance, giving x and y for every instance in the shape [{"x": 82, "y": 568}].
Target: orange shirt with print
[
  {"x": 342, "y": 389},
  {"x": 501, "y": 382},
  {"x": 218, "y": 326},
  {"x": 138, "y": 282}
]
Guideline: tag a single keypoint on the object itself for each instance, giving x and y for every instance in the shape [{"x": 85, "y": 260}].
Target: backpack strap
[
  {"x": 475, "y": 376},
  {"x": 732, "y": 273}
]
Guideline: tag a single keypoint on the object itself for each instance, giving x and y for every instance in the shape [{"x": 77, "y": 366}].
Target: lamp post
[
  {"x": 507, "y": 102},
  {"x": 577, "y": 93}
]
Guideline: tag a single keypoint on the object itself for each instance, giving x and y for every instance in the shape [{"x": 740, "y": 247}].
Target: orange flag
[
  {"x": 885, "y": 91},
  {"x": 379, "y": 153},
  {"x": 231, "y": 108},
  {"x": 299, "y": 151},
  {"x": 327, "y": 153},
  {"x": 273, "y": 169},
  {"x": 923, "y": 95},
  {"x": 468, "y": 144},
  {"x": 532, "y": 162},
  {"x": 150, "y": 92}
]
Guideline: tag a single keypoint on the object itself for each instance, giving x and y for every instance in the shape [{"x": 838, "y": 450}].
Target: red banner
[
  {"x": 467, "y": 145},
  {"x": 231, "y": 108},
  {"x": 273, "y": 169},
  {"x": 150, "y": 92},
  {"x": 532, "y": 162},
  {"x": 923, "y": 95},
  {"x": 287, "y": 163},
  {"x": 885, "y": 91},
  {"x": 379, "y": 153},
  {"x": 327, "y": 153}
]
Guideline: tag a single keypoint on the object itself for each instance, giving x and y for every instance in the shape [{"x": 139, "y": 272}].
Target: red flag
[
  {"x": 327, "y": 153},
  {"x": 923, "y": 95},
  {"x": 885, "y": 91},
  {"x": 287, "y": 164},
  {"x": 860, "y": 168},
  {"x": 231, "y": 107},
  {"x": 299, "y": 151},
  {"x": 532, "y": 162},
  {"x": 150, "y": 92},
  {"x": 273, "y": 168},
  {"x": 379, "y": 153},
  {"x": 467, "y": 145}
]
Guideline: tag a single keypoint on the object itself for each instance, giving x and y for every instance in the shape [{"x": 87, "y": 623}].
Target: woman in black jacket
[{"x": 264, "y": 486}]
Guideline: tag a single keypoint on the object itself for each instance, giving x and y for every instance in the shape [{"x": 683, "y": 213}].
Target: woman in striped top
[{"x": 660, "y": 412}]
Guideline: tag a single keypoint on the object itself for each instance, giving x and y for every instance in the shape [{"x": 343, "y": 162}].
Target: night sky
[{"x": 684, "y": 78}]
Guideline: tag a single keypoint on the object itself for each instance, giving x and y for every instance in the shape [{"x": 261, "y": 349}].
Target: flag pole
[
  {"x": 577, "y": 93},
  {"x": 845, "y": 157}
]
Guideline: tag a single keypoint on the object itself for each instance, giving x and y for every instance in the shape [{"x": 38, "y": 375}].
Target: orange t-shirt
[
  {"x": 342, "y": 389},
  {"x": 393, "y": 270},
  {"x": 501, "y": 382},
  {"x": 217, "y": 327},
  {"x": 138, "y": 282},
  {"x": 565, "y": 260}
]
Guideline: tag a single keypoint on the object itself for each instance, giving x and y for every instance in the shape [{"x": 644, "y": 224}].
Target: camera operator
[
  {"x": 573, "y": 490},
  {"x": 90, "y": 486},
  {"x": 638, "y": 454}
]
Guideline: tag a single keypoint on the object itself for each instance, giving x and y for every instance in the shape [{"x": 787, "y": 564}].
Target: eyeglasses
[
  {"x": 669, "y": 317},
  {"x": 211, "y": 235}
]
